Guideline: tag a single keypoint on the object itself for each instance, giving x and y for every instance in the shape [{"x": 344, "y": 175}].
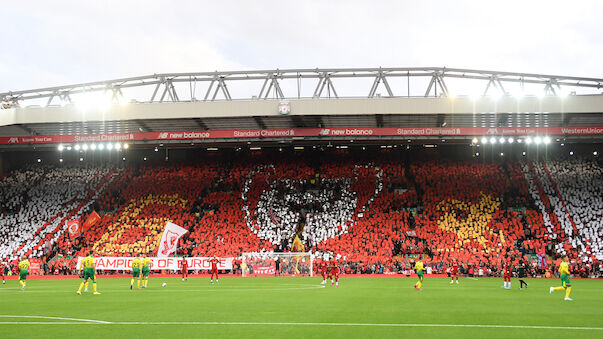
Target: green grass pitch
[{"x": 296, "y": 307}]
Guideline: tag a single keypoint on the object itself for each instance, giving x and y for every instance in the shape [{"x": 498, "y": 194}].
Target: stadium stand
[
  {"x": 578, "y": 188},
  {"x": 464, "y": 216},
  {"x": 372, "y": 212},
  {"x": 36, "y": 203}
]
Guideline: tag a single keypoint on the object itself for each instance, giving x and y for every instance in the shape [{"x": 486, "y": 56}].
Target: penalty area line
[{"x": 220, "y": 323}]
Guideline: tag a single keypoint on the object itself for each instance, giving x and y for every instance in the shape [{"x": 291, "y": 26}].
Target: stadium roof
[
  {"x": 315, "y": 83},
  {"x": 304, "y": 99}
]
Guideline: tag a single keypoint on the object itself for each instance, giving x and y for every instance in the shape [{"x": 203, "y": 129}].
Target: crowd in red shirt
[{"x": 477, "y": 213}]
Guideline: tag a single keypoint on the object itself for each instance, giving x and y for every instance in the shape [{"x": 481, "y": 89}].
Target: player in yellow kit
[
  {"x": 419, "y": 269},
  {"x": 89, "y": 273},
  {"x": 136, "y": 265},
  {"x": 565, "y": 281},
  {"x": 23, "y": 271},
  {"x": 146, "y": 269}
]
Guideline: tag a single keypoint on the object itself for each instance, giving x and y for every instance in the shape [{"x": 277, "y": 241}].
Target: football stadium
[{"x": 322, "y": 202}]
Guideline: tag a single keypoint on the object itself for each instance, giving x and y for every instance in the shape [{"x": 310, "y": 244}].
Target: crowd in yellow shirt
[
  {"x": 473, "y": 226},
  {"x": 137, "y": 230}
]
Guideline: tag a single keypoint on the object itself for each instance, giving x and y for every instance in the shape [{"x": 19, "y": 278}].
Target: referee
[{"x": 522, "y": 273}]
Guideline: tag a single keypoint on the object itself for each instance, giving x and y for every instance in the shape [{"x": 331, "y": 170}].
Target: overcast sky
[{"x": 48, "y": 43}]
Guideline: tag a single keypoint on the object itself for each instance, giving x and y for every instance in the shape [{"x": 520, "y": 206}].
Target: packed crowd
[
  {"x": 370, "y": 212},
  {"x": 462, "y": 216},
  {"x": 154, "y": 195},
  {"x": 579, "y": 186},
  {"x": 316, "y": 208},
  {"x": 36, "y": 203}
]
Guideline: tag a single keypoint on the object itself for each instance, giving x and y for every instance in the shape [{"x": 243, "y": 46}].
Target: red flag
[
  {"x": 34, "y": 267},
  {"x": 93, "y": 218},
  {"x": 73, "y": 227}
]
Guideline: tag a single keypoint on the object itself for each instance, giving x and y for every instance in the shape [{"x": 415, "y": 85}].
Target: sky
[{"x": 51, "y": 43}]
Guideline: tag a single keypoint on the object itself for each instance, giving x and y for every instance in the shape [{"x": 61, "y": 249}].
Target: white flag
[{"x": 169, "y": 239}]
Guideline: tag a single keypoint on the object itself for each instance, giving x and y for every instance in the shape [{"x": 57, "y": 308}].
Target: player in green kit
[
  {"x": 89, "y": 273},
  {"x": 23, "y": 270},
  {"x": 146, "y": 269},
  {"x": 136, "y": 265},
  {"x": 565, "y": 281}
]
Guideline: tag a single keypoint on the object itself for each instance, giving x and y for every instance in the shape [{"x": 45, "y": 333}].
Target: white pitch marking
[
  {"x": 360, "y": 324},
  {"x": 52, "y": 318},
  {"x": 96, "y": 322},
  {"x": 44, "y": 323},
  {"x": 163, "y": 290}
]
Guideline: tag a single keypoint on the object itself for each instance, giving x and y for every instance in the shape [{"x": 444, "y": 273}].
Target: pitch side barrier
[{"x": 205, "y": 275}]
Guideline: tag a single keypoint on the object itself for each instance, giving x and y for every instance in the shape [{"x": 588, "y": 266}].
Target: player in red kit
[
  {"x": 2, "y": 272},
  {"x": 334, "y": 272},
  {"x": 454, "y": 271},
  {"x": 322, "y": 268},
  {"x": 507, "y": 273},
  {"x": 184, "y": 270},
  {"x": 214, "y": 269}
]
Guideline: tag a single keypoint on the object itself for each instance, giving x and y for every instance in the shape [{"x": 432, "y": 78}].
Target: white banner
[{"x": 173, "y": 263}]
